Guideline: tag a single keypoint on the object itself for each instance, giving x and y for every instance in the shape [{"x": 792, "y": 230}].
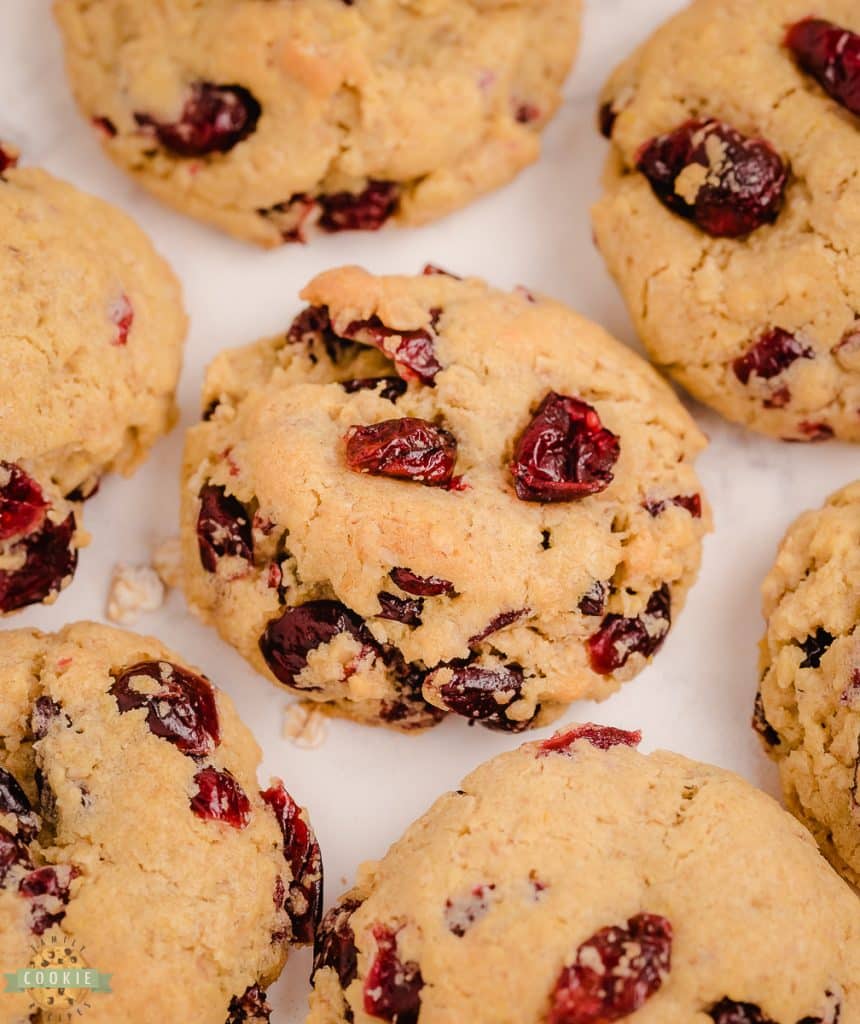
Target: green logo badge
[{"x": 58, "y": 979}]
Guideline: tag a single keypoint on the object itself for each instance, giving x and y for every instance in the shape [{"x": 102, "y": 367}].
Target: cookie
[
  {"x": 428, "y": 495},
  {"x": 808, "y": 710},
  {"x": 91, "y": 333},
  {"x": 129, "y": 785},
  {"x": 732, "y": 209},
  {"x": 277, "y": 120},
  {"x": 601, "y": 885}
]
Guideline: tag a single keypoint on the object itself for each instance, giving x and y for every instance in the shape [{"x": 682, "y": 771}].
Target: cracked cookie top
[
  {"x": 429, "y": 496},
  {"x": 731, "y": 212},
  {"x": 601, "y": 885},
  {"x": 128, "y": 782},
  {"x": 273, "y": 120},
  {"x": 808, "y": 710}
]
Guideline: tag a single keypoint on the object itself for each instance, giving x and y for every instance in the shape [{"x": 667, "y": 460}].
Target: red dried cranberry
[
  {"x": 13, "y": 853},
  {"x": 815, "y": 647},
  {"x": 831, "y": 55},
  {"x": 816, "y": 431},
  {"x": 312, "y": 328},
  {"x": 565, "y": 452},
  {"x": 593, "y": 601},
  {"x": 463, "y": 912},
  {"x": 45, "y": 711},
  {"x": 13, "y": 800},
  {"x": 302, "y": 853},
  {"x": 22, "y": 503},
  {"x": 484, "y": 695},
  {"x": 288, "y": 640},
  {"x": 744, "y": 183},
  {"x": 213, "y": 120},
  {"x": 607, "y": 115},
  {"x": 219, "y": 797},
  {"x": 728, "y": 1011},
  {"x": 223, "y": 528},
  {"x": 392, "y": 989},
  {"x": 334, "y": 945},
  {"x": 420, "y": 586},
  {"x": 50, "y": 560},
  {"x": 250, "y": 1008},
  {"x": 691, "y": 502},
  {"x": 105, "y": 127},
  {"x": 181, "y": 710},
  {"x": 526, "y": 113},
  {"x": 601, "y": 736},
  {"x": 122, "y": 314},
  {"x": 405, "y": 449},
  {"x": 365, "y": 211},
  {"x": 618, "y": 637},
  {"x": 431, "y": 270},
  {"x": 771, "y": 355},
  {"x": 45, "y": 887},
  {"x": 400, "y": 609},
  {"x": 392, "y": 388},
  {"x": 413, "y": 351},
  {"x": 8, "y": 159},
  {"x": 615, "y": 972},
  {"x": 761, "y": 725},
  {"x": 498, "y": 622}
]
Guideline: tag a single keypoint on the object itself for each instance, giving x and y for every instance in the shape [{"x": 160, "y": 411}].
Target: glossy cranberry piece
[
  {"x": 742, "y": 184},
  {"x": 618, "y": 637},
  {"x": 499, "y": 622},
  {"x": 13, "y": 800},
  {"x": 815, "y": 431},
  {"x": 431, "y": 270},
  {"x": 771, "y": 356},
  {"x": 691, "y": 502},
  {"x": 213, "y": 120},
  {"x": 392, "y": 989},
  {"x": 761, "y": 725},
  {"x": 50, "y": 560},
  {"x": 400, "y": 609},
  {"x": 593, "y": 601},
  {"x": 302, "y": 853},
  {"x": 390, "y": 388},
  {"x": 728, "y": 1011},
  {"x": 334, "y": 945},
  {"x": 250, "y": 1008},
  {"x": 484, "y": 694},
  {"x": 603, "y": 737},
  {"x": 219, "y": 797},
  {"x": 8, "y": 159},
  {"x": 122, "y": 315},
  {"x": 815, "y": 647},
  {"x": 464, "y": 911},
  {"x": 13, "y": 853},
  {"x": 365, "y": 211},
  {"x": 22, "y": 503},
  {"x": 420, "y": 586},
  {"x": 404, "y": 449},
  {"x": 180, "y": 705},
  {"x": 565, "y": 453},
  {"x": 615, "y": 972},
  {"x": 831, "y": 55},
  {"x": 47, "y": 889},
  {"x": 412, "y": 351},
  {"x": 224, "y": 528}
]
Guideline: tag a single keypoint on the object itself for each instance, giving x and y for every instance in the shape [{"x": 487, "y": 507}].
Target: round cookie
[
  {"x": 808, "y": 709},
  {"x": 128, "y": 784},
  {"x": 429, "y": 496},
  {"x": 731, "y": 212},
  {"x": 601, "y": 885},
  {"x": 91, "y": 333},
  {"x": 275, "y": 120}
]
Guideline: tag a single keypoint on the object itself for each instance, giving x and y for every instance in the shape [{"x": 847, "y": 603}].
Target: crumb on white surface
[
  {"x": 305, "y": 726},
  {"x": 134, "y": 590},
  {"x": 167, "y": 560}
]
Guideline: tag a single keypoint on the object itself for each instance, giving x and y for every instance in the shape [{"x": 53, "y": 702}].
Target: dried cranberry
[
  {"x": 831, "y": 55},
  {"x": 288, "y": 640},
  {"x": 761, "y": 725},
  {"x": 498, "y": 622},
  {"x": 412, "y": 351},
  {"x": 771, "y": 355},
  {"x": 47, "y": 888},
  {"x": 565, "y": 452},
  {"x": 526, "y": 113},
  {"x": 365, "y": 211},
  {"x": 219, "y": 797},
  {"x": 213, "y": 120},
  {"x": 180, "y": 707},
  {"x": 250, "y": 1008},
  {"x": 312, "y": 327},
  {"x": 815, "y": 647},
  {"x": 420, "y": 586},
  {"x": 8, "y": 159},
  {"x": 601, "y": 736},
  {"x": 741, "y": 186},
  {"x": 405, "y": 449},
  {"x": 607, "y": 115},
  {"x": 86, "y": 490},
  {"x": 45, "y": 711},
  {"x": 619, "y": 637},
  {"x": 484, "y": 695},
  {"x": 615, "y": 972},
  {"x": 22, "y": 503},
  {"x": 593, "y": 601},
  {"x": 431, "y": 270},
  {"x": 50, "y": 560},
  {"x": 410, "y": 712},
  {"x": 728, "y": 1011},
  {"x": 302, "y": 853},
  {"x": 223, "y": 528},
  {"x": 816, "y": 431},
  {"x": 391, "y": 388},
  {"x": 105, "y": 127},
  {"x": 122, "y": 314},
  {"x": 691, "y": 502},
  {"x": 13, "y": 800},
  {"x": 13, "y": 853},
  {"x": 392, "y": 989},
  {"x": 400, "y": 609},
  {"x": 461, "y": 913},
  {"x": 334, "y": 945}
]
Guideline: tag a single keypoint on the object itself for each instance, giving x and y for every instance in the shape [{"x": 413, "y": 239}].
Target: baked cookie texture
[
  {"x": 808, "y": 710},
  {"x": 602, "y": 885},
  {"x": 428, "y": 495},
  {"x": 128, "y": 784},
  {"x": 275, "y": 119},
  {"x": 731, "y": 212},
  {"x": 91, "y": 333}
]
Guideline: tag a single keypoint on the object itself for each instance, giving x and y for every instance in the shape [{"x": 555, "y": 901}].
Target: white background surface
[{"x": 364, "y": 786}]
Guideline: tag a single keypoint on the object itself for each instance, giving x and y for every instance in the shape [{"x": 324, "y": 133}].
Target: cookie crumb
[
  {"x": 134, "y": 589},
  {"x": 167, "y": 562},
  {"x": 305, "y": 726}
]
